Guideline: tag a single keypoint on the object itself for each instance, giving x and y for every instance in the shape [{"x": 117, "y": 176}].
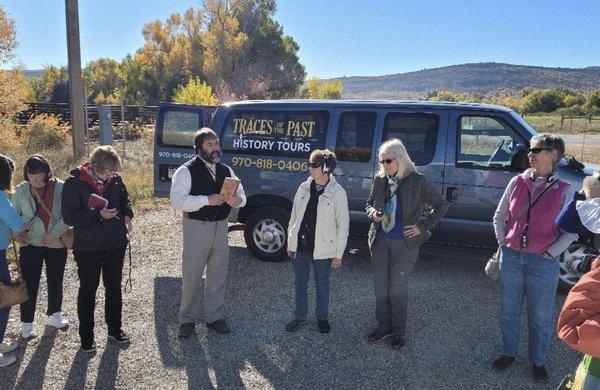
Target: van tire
[
  {"x": 265, "y": 233},
  {"x": 567, "y": 277}
]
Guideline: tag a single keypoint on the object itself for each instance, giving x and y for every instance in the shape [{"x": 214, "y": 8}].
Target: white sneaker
[
  {"x": 7, "y": 360},
  {"x": 27, "y": 330},
  {"x": 8, "y": 347},
  {"x": 57, "y": 320}
]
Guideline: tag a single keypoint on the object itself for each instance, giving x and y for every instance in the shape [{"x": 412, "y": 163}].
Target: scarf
[{"x": 389, "y": 207}]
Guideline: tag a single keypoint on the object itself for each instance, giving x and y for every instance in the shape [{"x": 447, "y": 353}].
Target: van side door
[
  {"x": 423, "y": 133},
  {"x": 354, "y": 146},
  {"x": 481, "y": 145}
]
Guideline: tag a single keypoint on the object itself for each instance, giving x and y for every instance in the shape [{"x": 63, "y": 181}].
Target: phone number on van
[{"x": 267, "y": 163}]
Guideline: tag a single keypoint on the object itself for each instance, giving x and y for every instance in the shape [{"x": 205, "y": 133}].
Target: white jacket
[{"x": 333, "y": 220}]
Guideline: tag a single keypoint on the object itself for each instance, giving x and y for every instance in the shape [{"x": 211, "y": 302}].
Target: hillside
[{"x": 487, "y": 77}]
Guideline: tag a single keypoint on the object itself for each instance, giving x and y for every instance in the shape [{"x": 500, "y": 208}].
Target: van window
[
  {"x": 179, "y": 128},
  {"x": 275, "y": 133},
  {"x": 486, "y": 142},
  {"x": 418, "y": 132},
  {"x": 355, "y": 136}
]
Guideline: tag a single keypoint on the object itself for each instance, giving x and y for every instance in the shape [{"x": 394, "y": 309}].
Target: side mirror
[{"x": 519, "y": 161}]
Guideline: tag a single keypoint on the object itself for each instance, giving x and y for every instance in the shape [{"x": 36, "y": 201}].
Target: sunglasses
[
  {"x": 536, "y": 150},
  {"x": 314, "y": 165},
  {"x": 387, "y": 161}
]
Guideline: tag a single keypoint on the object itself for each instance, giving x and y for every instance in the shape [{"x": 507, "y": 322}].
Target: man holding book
[{"x": 205, "y": 190}]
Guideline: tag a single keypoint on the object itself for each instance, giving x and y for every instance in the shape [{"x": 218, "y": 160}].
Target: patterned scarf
[{"x": 389, "y": 207}]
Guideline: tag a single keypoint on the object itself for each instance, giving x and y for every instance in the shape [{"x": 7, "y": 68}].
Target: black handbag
[{"x": 14, "y": 292}]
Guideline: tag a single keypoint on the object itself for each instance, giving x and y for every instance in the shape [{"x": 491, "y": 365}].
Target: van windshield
[{"x": 524, "y": 123}]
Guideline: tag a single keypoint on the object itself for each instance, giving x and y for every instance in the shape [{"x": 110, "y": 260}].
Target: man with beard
[{"x": 195, "y": 190}]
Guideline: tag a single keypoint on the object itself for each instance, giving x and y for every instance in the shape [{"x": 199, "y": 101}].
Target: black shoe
[
  {"x": 185, "y": 330},
  {"x": 219, "y": 326},
  {"x": 539, "y": 373},
  {"x": 378, "y": 335},
  {"x": 324, "y": 326},
  {"x": 502, "y": 363},
  {"x": 294, "y": 325},
  {"x": 398, "y": 342},
  {"x": 119, "y": 336},
  {"x": 88, "y": 346}
]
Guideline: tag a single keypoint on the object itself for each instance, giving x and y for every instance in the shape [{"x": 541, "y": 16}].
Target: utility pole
[{"x": 75, "y": 81}]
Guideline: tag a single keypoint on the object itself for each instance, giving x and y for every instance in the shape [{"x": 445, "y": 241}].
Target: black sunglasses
[
  {"x": 314, "y": 165},
  {"x": 387, "y": 161},
  {"x": 536, "y": 150}
]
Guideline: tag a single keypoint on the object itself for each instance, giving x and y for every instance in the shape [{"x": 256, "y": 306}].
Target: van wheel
[
  {"x": 568, "y": 274},
  {"x": 265, "y": 233}
]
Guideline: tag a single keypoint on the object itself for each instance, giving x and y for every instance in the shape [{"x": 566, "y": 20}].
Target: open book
[
  {"x": 230, "y": 186},
  {"x": 96, "y": 202}
]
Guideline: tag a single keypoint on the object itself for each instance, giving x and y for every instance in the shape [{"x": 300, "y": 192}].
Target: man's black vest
[{"x": 203, "y": 184}]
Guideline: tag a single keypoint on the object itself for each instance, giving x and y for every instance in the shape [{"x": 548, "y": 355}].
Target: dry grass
[
  {"x": 588, "y": 154},
  {"x": 552, "y": 124}
]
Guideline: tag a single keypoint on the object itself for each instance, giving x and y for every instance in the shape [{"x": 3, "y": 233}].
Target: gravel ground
[{"x": 452, "y": 335}]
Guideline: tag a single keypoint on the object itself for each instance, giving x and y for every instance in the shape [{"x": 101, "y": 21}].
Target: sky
[{"x": 344, "y": 37}]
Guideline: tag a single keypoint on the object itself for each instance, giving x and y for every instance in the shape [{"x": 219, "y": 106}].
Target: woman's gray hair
[
  {"x": 395, "y": 147},
  {"x": 551, "y": 141}
]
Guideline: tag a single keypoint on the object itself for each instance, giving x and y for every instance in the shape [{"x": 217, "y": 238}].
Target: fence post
[{"x": 562, "y": 119}]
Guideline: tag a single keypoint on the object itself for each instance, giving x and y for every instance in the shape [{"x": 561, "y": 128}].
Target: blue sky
[{"x": 345, "y": 38}]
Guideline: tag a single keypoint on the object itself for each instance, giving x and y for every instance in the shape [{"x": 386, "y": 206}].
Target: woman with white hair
[
  {"x": 399, "y": 227},
  {"x": 530, "y": 246}
]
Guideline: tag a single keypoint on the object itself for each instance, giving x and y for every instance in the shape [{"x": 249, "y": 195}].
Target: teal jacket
[
  {"x": 9, "y": 220},
  {"x": 25, "y": 204}
]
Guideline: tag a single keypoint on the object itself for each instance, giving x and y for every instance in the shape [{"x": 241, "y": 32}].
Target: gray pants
[
  {"x": 392, "y": 263},
  {"x": 204, "y": 245}
]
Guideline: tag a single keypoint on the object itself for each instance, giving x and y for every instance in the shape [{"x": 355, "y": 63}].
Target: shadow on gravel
[
  {"x": 109, "y": 365},
  {"x": 78, "y": 372},
  {"x": 33, "y": 375}
]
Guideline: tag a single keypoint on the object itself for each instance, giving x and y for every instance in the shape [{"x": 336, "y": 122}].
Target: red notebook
[{"x": 96, "y": 202}]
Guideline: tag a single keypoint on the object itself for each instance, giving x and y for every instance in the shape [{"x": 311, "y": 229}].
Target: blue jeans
[
  {"x": 4, "y": 278},
  {"x": 535, "y": 277},
  {"x": 322, "y": 272}
]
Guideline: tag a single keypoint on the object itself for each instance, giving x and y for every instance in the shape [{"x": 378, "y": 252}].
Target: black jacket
[{"x": 92, "y": 232}]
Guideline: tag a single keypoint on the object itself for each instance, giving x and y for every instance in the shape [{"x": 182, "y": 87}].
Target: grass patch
[{"x": 552, "y": 124}]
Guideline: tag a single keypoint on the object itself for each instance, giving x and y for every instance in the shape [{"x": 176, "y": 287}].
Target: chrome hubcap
[{"x": 269, "y": 235}]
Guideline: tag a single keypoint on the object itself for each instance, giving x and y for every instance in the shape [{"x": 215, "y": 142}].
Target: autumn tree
[
  {"x": 102, "y": 78},
  {"x": 195, "y": 92},
  {"x": 52, "y": 86},
  {"x": 321, "y": 89}
]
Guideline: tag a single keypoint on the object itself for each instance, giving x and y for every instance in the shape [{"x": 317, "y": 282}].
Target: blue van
[{"x": 468, "y": 151}]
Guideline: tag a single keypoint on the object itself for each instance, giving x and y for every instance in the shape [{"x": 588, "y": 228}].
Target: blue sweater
[{"x": 9, "y": 219}]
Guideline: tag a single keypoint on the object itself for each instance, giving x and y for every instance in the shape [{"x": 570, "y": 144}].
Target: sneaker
[
  {"x": 502, "y": 363},
  {"x": 57, "y": 320},
  {"x": 219, "y": 326},
  {"x": 119, "y": 336},
  {"x": 294, "y": 325},
  {"x": 88, "y": 346},
  {"x": 539, "y": 373},
  {"x": 378, "y": 335},
  {"x": 398, "y": 342},
  {"x": 7, "y": 360},
  {"x": 324, "y": 326},
  {"x": 185, "y": 330},
  {"x": 8, "y": 347},
  {"x": 28, "y": 330}
]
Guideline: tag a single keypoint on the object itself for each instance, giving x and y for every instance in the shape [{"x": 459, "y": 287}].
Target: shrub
[
  {"x": 542, "y": 100},
  {"x": 44, "y": 132},
  {"x": 8, "y": 134}
]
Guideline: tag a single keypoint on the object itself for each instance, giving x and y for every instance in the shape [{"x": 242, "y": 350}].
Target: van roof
[{"x": 371, "y": 103}]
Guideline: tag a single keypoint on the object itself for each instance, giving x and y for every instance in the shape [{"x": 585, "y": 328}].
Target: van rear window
[
  {"x": 275, "y": 133},
  {"x": 179, "y": 128}
]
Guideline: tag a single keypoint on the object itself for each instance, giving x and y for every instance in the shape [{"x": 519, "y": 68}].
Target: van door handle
[{"x": 451, "y": 194}]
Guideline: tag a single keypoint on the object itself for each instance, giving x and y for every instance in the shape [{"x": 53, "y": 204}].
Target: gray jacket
[{"x": 415, "y": 194}]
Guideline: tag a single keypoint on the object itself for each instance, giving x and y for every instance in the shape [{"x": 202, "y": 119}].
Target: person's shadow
[
  {"x": 109, "y": 365},
  {"x": 33, "y": 375},
  {"x": 78, "y": 372}
]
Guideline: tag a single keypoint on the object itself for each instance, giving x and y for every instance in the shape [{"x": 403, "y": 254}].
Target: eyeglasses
[
  {"x": 314, "y": 165},
  {"x": 536, "y": 150},
  {"x": 387, "y": 161}
]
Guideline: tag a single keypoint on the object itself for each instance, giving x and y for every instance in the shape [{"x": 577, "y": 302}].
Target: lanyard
[{"x": 531, "y": 204}]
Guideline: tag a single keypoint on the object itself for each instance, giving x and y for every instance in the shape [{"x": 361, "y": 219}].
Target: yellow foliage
[
  {"x": 8, "y": 136},
  {"x": 319, "y": 89},
  {"x": 44, "y": 132},
  {"x": 195, "y": 92}
]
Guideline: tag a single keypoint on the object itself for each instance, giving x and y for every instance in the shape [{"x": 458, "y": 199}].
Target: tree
[
  {"x": 445, "y": 96},
  {"x": 593, "y": 100},
  {"x": 52, "y": 86},
  {"x": 543, "y": 100},
  {"x": 321, "y": 89},
  {"x": 8, "y": 36},
  {"x": 14, "y": 90},
  {"x": 195, "y": 92},
  {"x": 102, "y": 77},
  {"x": 131, "y": 73}
]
